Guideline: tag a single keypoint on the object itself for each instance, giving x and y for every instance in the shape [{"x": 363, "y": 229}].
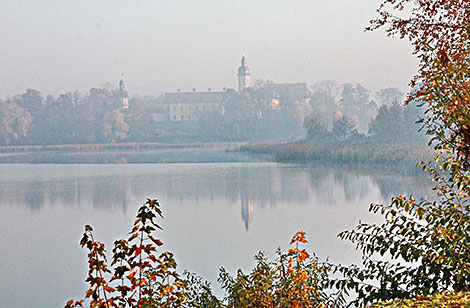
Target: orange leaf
[
  {"x": 131, "y": 275},
  {"x": 88, "y": 293}
]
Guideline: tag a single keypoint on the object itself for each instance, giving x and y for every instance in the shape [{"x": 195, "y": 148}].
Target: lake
[{"x": 216, "y": 214}]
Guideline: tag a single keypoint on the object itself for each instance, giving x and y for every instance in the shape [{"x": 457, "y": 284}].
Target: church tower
[
  {"x": 243, "y": 75},
  {"x": 123, "y": 94}
]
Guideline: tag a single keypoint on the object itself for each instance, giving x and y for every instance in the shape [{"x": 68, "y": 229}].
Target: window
[
  {"x": 174, "y": 108},
  {"x": 182, "y": 107},
  {"x": 189, "y": 117},
  {"x": 174, "y": 117},
  {"x": 182, "y": 118},
  {"x": 189, "y": 107},
  {"x": 197, "y": 107},
  {"x": 204, "y": 107}
]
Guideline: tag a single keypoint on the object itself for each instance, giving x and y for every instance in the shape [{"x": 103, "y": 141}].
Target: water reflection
[
  {"x": 216, "y": 215},
  {"x": 247, "y": 211},
  {"x": 250, "y": 185},
  {"x": 100, "y": 192}
]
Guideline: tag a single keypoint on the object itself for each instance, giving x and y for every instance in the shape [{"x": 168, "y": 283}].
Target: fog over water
[
  {"x": 160, "y": 45},
  {"x": 318, "y": 81},
  {"x": 215, "y": 215}
]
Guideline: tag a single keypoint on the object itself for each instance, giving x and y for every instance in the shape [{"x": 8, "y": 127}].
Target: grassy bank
[{"x": 402, "y": 154}]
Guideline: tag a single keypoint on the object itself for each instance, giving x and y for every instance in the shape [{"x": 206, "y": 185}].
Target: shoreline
[{"x": 115, "y": 146}]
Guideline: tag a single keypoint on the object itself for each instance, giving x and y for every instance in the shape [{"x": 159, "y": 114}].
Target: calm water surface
[{"x": 216, "y": 214}]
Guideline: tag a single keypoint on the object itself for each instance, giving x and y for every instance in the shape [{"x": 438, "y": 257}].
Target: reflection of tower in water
[{"x": 247, "y": 210}]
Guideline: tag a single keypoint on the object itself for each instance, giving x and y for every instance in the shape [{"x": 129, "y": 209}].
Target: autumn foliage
[
  {"x": 294, "y": 279},
  {"x": 439, "y": 30},
  {"x": 138, "y": 277},
  {"x": 422, "y": 249}
]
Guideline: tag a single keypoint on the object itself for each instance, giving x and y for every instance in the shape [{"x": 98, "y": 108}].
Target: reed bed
[{"x": 401, "y": 154}]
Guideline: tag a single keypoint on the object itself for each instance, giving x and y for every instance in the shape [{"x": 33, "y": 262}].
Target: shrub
[
  {"x": 294, "y": 279},
  {"x": 137, "y": 276}
]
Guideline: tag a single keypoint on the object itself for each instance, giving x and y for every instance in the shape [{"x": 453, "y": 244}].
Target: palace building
[{"x": 188, "y": 106}]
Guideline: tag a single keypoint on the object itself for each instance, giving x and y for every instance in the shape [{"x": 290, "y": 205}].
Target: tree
[
  {"x": 137, "y": 277},
  {"x": 353, "y": 97},
  {"x": 362, "y": 95},
  {"x": 323, "y": 101},
  {"x": 31, "y": 100},
  {"x": 140, "y": 122},
  {"x": 57, "y": 123},
  {"x": 315, "y": 131},
  {"x": 389, "y": 96},
  {"x": 293, "y": 117},
  {"x": 295, "y": 279},
  {"x": 212, "y": 127},
  {"x": 242, "y": 113},
  {"x": 114, "y": 128},
  {"x": 439, "y": 31},
  {"x": 100, "y": 111},
  {"x": 15, "y": 122},
  {"x": 413, "y": 114},
  {"x": 355, "y": 104},
  {"x": 324, "y": 93},
  {"x": 389, "y": 124},
  {"x": 342, "y": 129},
  {"x": 348, "y": 99},
  {"x": 428, "y": 240}
]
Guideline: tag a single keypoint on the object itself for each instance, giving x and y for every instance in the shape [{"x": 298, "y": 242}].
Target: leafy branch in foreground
[
  {"x": 423, "y": 246},
  {"x": 439, "y": 31},
  {"x": 294, "y": 279},
  {"x": 427, "y": 241},
  {"x": 137, "y": 277}
]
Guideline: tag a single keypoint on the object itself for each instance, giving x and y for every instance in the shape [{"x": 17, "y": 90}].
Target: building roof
[{"x": 193, "y": 97}]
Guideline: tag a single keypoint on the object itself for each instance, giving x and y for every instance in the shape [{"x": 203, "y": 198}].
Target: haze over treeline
[
  {"x": 324, "y": 113},
  {"x": 161, "y": 45}
]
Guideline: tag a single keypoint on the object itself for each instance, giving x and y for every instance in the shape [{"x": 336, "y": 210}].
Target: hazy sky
[{"x": 57, "y": 46}]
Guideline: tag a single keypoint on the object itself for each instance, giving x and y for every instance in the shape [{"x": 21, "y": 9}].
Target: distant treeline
[
  {"x": 98, "y": 117},
  {"x": 393, "y": 124},
  {"x": 325, "y": 113}
]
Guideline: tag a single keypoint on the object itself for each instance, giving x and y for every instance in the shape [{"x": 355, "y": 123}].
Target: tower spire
[
  {"x": 123, "y": 93},
  {"x": 243, "y": 75},
  {"x": 122, "y": 87}
]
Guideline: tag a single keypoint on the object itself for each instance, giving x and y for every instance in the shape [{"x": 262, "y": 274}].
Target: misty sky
[{"x": 57, "y": 46}]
